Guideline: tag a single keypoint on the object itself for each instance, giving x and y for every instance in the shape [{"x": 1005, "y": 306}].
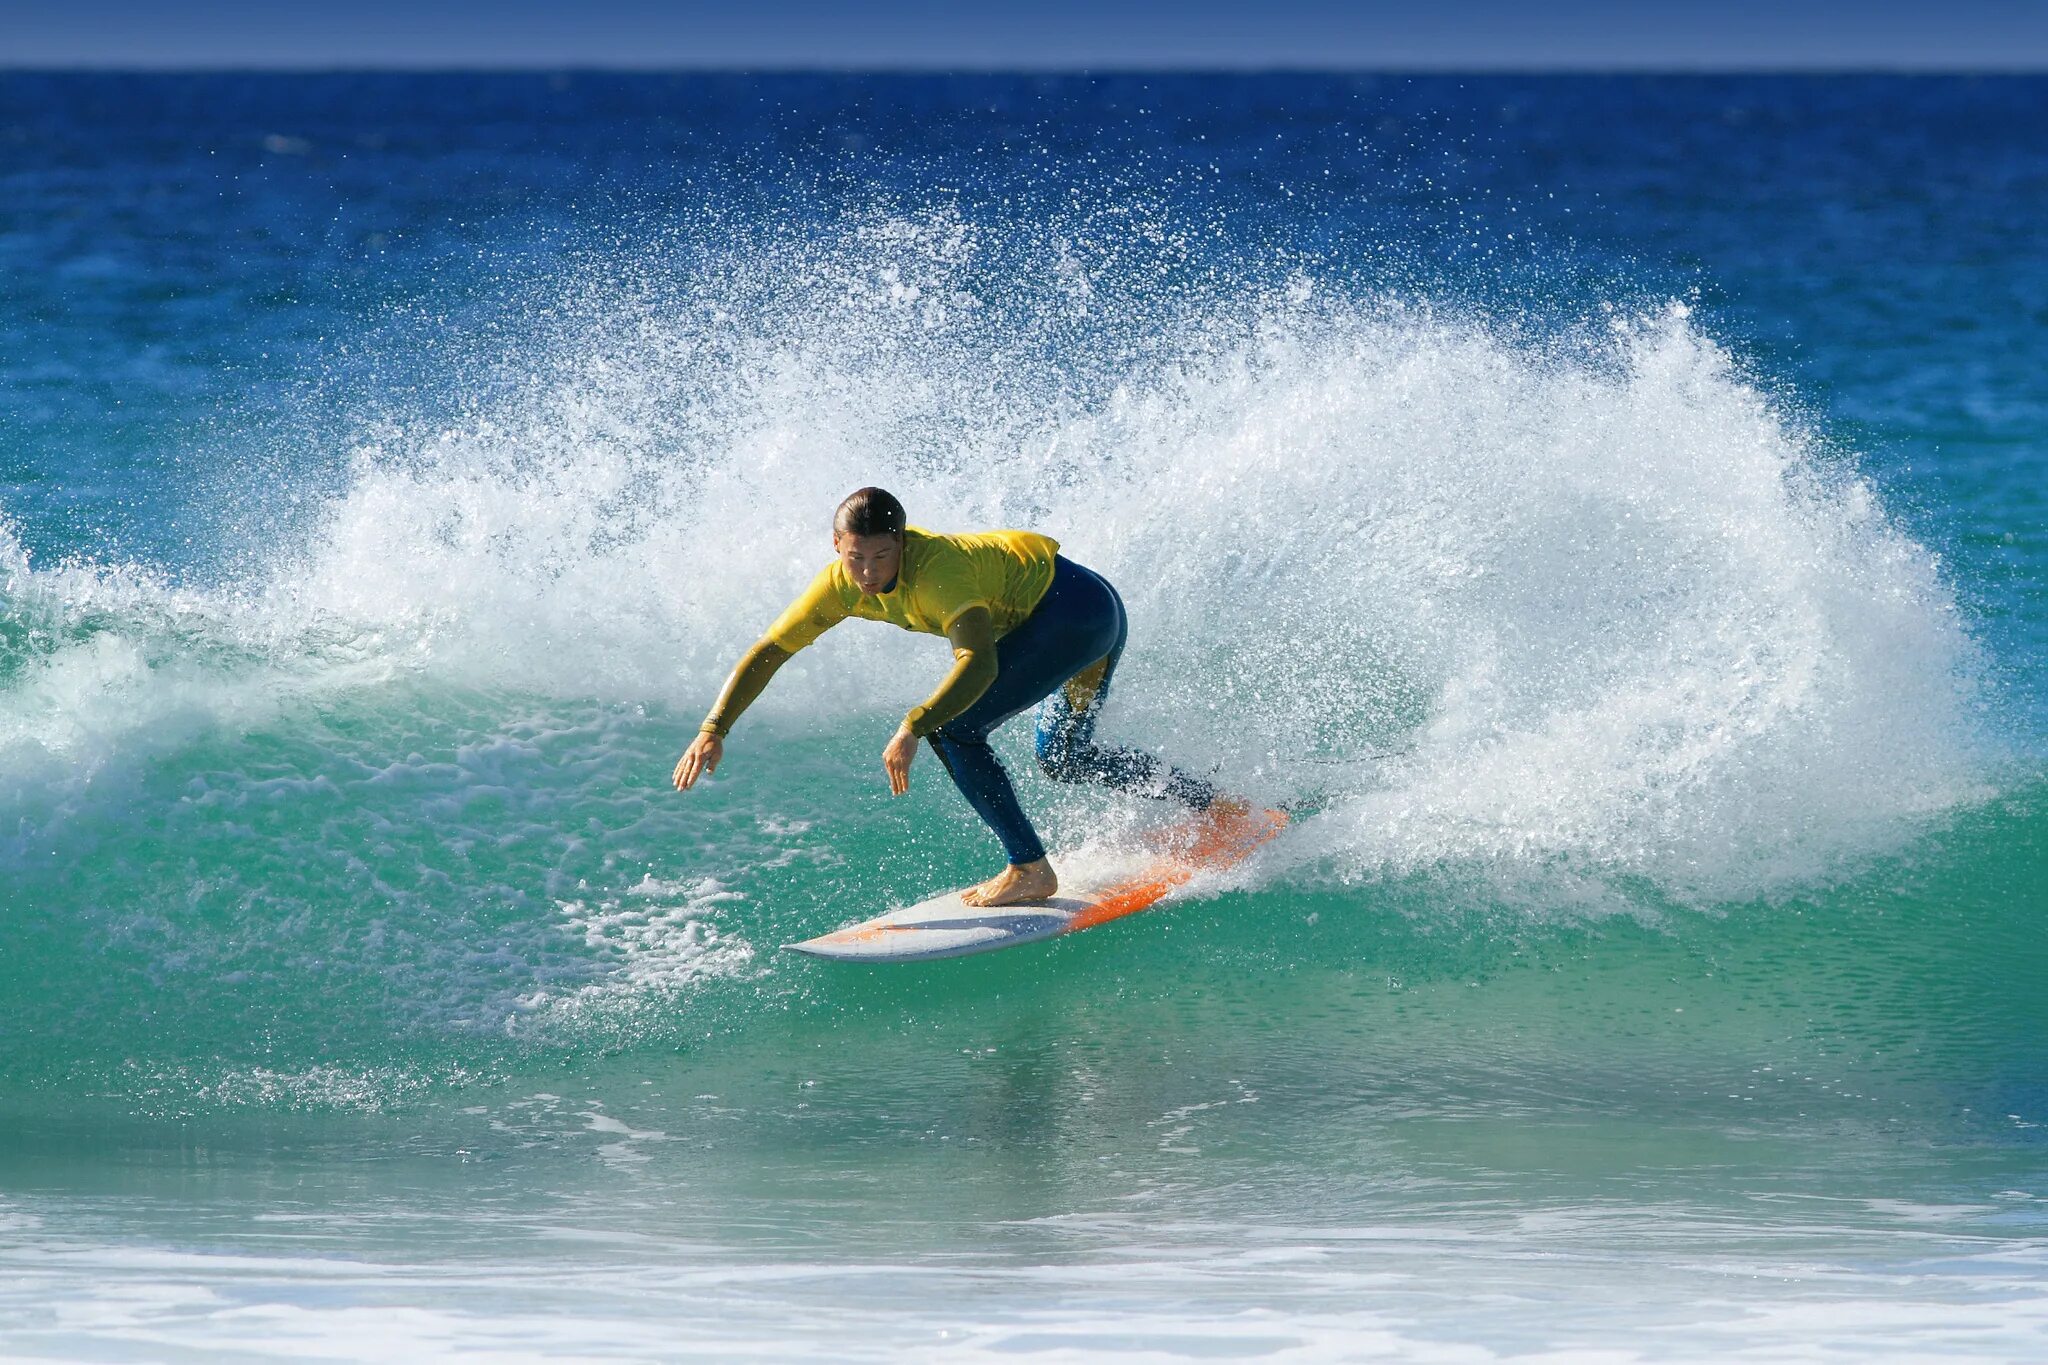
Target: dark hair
[{"x": 869, "y": 512}]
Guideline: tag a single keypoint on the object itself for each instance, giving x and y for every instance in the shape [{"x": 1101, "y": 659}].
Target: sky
[{"x": 1048, "y": 34}]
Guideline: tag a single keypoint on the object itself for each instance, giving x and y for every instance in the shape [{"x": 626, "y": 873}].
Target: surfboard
[{"x": 945, "y": 926}]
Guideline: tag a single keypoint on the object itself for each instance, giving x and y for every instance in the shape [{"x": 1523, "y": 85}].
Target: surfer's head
[{"x": 867, "y": 535}]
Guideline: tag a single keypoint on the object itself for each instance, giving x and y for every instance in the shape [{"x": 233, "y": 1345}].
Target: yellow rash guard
[{"x": 940, "y": 582}]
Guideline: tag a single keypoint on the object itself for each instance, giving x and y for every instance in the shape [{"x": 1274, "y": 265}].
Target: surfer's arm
[
  {"x": 745, "y": 684},
  {"x": 973, "y": 635},
  {"x": 749, "y": 679}
]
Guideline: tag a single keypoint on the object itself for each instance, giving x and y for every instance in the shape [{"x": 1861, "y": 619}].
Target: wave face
[{"x": 1565, "y": 620}]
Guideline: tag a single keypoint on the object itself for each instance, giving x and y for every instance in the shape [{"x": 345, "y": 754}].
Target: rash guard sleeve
[
  {"x": 973, "y": 634},
  {"x": 748, "y": 679},
  {"x": 820, "y": 607}
]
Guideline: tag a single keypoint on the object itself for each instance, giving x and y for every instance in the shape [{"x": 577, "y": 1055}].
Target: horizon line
[{"x": 607, "y": 68}]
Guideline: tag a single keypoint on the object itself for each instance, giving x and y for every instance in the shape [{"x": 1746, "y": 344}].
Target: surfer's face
[{"x": 871, "y": 561}]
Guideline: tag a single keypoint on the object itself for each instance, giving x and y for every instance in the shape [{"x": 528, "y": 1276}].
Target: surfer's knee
[{"x": 1059, "y": 758}]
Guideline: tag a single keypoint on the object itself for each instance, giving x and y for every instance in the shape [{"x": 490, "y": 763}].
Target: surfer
[{"x": 1026, "y": 624}]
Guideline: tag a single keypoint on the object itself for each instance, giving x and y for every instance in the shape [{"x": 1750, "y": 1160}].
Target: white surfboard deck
[{"x": 946, "y": 926}]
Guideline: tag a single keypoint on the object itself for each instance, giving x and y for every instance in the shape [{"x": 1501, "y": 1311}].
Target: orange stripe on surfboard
[{"x": 1216, "y": 845}]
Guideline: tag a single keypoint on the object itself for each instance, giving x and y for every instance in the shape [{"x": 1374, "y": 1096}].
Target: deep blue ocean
[{"x": 1618, "y": 505}]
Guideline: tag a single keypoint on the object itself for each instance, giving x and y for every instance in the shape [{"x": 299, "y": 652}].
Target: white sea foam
[
  {"x": 98, "y": 659},
  {"x": 315, "y": 1089},
  {"x": 652, "y": 947},
  {"x": 1412, "y": 1291},
  {"x": 1584, "y": 605}
]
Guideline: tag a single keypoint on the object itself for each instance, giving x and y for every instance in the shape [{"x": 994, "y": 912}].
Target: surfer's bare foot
[{"x": 1014, "y": 885}]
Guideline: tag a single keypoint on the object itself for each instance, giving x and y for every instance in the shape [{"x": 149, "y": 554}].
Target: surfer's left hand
[{"x": 896, "y": 756}]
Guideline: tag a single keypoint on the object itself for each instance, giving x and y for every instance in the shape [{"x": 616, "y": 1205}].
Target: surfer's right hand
[{"x": 700, "y": 758}]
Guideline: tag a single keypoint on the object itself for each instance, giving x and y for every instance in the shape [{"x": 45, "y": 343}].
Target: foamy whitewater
[
  {"x": 1588, "y": 600},
  {"x": 1653, "y": 974}
]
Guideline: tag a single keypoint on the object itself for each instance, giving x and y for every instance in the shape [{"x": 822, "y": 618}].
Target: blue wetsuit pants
[{"x": 1064, "y": 653}]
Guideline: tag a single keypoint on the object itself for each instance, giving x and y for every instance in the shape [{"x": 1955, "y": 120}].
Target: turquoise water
[{"x": 1616, "y": 505}]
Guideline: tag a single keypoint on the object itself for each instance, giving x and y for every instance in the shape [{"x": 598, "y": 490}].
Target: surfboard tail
[{"x": 1213, "y": 840}]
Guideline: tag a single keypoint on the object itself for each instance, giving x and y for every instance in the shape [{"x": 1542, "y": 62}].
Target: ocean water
[{"x": 1618, "y": 504}]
